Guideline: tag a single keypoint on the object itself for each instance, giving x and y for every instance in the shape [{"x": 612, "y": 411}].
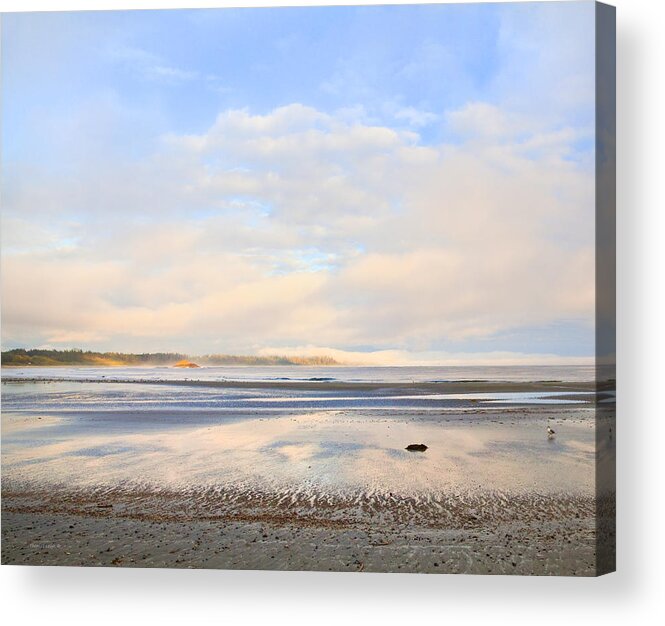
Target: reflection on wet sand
[{"x": 330, "y": 450}]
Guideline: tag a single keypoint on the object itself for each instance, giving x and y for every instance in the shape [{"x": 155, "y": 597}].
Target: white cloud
[
  {"x": 411, "y": 358},
  {"x": 480, "y": 119},
  {"x": 298, "y": 228}
]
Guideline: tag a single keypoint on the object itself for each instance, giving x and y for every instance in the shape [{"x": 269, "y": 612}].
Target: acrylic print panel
[{"x": 310, "y": 288}]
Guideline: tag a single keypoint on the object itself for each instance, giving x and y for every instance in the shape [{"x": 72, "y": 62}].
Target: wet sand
[{"x": 488, "y": 534}]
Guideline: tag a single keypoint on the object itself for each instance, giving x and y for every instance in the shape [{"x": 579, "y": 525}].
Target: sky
[{"x": 387, "y": 185}]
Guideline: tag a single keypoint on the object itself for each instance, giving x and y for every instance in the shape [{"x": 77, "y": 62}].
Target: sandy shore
[{"x": 476, "y": 534}]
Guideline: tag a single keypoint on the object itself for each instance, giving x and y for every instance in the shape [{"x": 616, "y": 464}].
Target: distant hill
[{"x": 21, "y": 357}]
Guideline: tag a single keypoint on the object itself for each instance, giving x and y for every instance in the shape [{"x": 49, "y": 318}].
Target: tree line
[{"x": 75, "y": 356}]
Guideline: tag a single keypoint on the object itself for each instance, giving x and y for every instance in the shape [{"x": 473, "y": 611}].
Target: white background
[{"x": 633, "y": 594}]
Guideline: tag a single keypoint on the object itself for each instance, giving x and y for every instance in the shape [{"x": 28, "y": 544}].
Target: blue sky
[
  {"x": 185, "y": 66},
  {"x": 323, "y": 160}
]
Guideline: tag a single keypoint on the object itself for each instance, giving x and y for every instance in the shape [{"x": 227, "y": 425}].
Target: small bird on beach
[{"x": 550, "y": 432}]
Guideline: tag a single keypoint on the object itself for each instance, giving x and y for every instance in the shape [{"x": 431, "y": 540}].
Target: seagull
[{"x": 550, "y": 432}]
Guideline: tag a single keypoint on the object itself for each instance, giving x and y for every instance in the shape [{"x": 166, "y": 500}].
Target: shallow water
[
  {"x": 84, "y": 434},
  {"x": 71, "y": 397}
]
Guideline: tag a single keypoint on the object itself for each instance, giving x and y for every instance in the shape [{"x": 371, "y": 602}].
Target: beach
[{"x": 303, "y": 470}]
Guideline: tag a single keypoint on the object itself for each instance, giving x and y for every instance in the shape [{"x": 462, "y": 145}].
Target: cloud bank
[{"x": 300, "y": 228}]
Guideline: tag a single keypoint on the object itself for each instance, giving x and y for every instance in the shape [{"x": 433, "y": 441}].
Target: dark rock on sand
[{"x": 416, "y": 447}]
